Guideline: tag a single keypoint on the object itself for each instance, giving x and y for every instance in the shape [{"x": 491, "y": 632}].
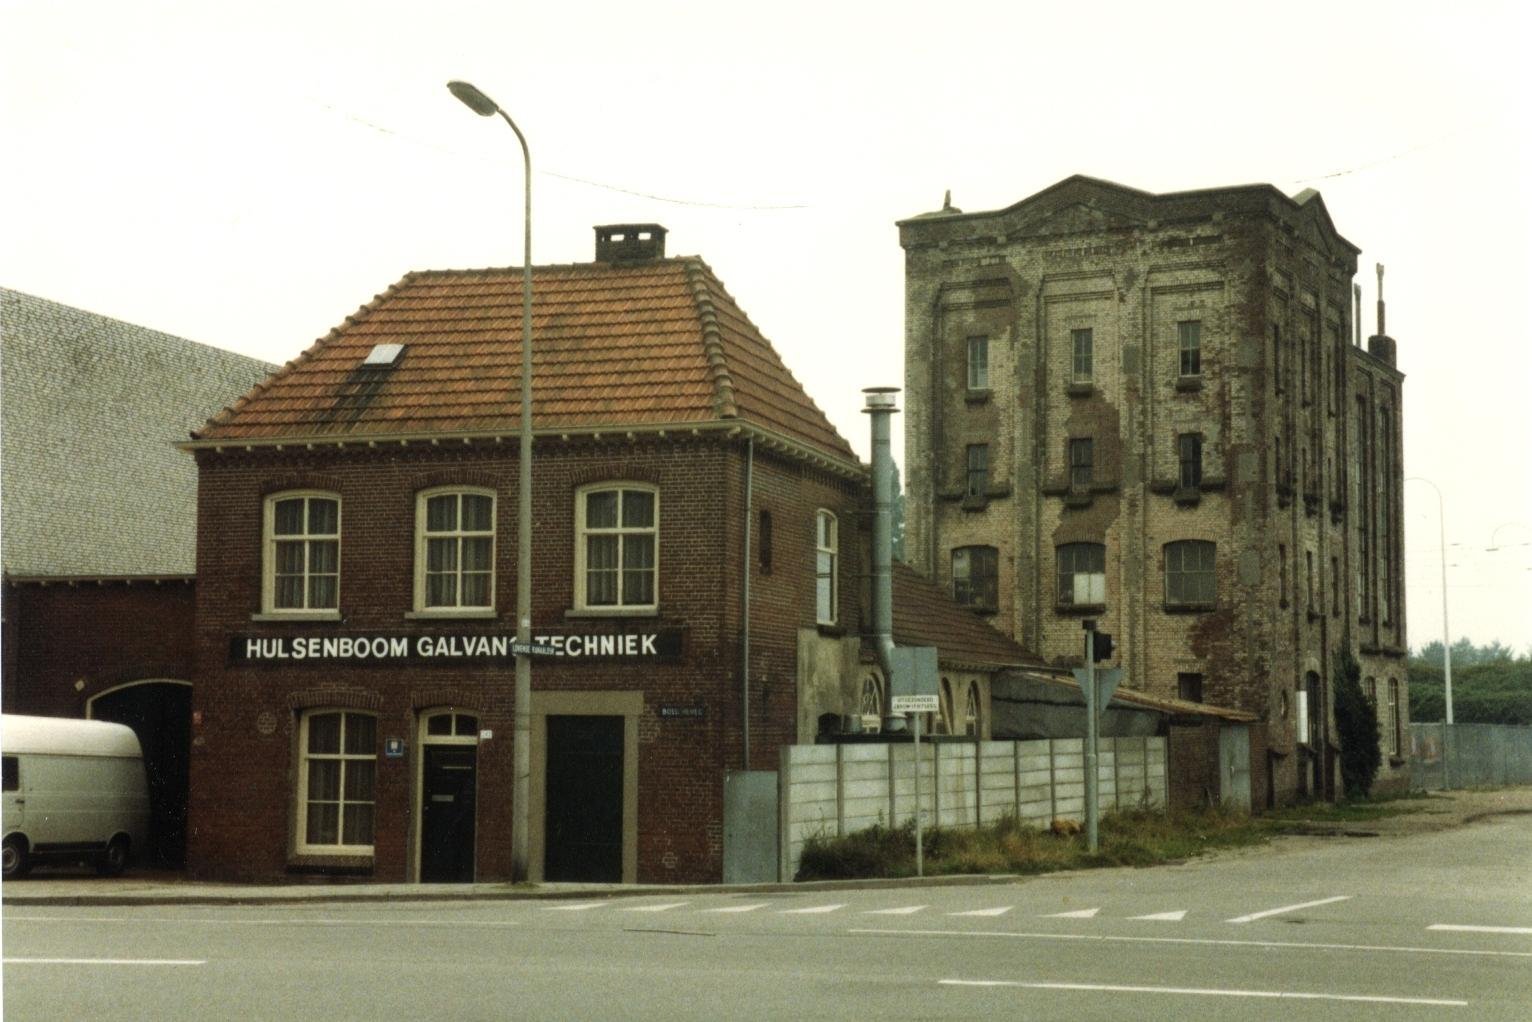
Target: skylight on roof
[{"x": 383, "y": 355}]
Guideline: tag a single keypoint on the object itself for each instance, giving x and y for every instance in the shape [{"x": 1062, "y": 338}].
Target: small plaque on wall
[{"x": 681, "y": 712}]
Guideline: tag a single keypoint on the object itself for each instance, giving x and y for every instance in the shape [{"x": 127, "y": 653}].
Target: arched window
[
  {"x": 455, "y": 550},
  {"x": 1189, "y": 577},
  {"x": 1082, "y": 574},
  {"x": 975, "y": 576},
  {"x": 945, "y": 721},
  {"x": 973, "y": 720},
  {"x": 338, "y": 759},
  {"x": 1395, "y": 719},
  {"x": 301, "y": 573},
  {"x": 617, "y": 546},
  {"x": 871, "y": 705}
]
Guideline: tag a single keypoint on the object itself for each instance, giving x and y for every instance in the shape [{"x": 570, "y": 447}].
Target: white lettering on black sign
[{"x": 359, "y": 649}]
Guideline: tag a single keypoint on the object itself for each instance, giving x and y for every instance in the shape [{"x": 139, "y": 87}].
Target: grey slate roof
[{"x": 90, "y": 484}]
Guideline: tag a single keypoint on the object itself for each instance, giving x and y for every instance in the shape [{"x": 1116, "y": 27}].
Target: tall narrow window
[
  {"x": 1190, "y": 580},
  {"x": 945, "y": 721},
  {"x": 1189, "y": 452},
  {"x": 454, "y": 550},
  {"x": 764, "y": 542},
  {"x": 1395, "y": 718},
  {"x": 302, "y": 563},
  {"x": 616, "y": 549},
  {"x": 1082, "y": 574},
  {"x": 1276, "y": 457},
  {"x": 1190, "y": 336},
  {"x": 975, "y": 578},
  {"x": 1081, "y": 462},
  {"x": 338, "y": 753},
  {"x": 1335, "y": 587},
  {"x": 1083, "y": 368},
  {"x": 1276, "y": 357},
  {"x": 1308, "y": 557},
  {"x": 978, "y": 470},
  {"x": 973, "y": 721},
  {"x": 978, "y": 363},
  {"x": 826, "y": 552},
  {"x": 1282, "y": 573}
]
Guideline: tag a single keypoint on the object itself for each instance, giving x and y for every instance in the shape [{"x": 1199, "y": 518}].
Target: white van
[{"x": 74, "y": 790}]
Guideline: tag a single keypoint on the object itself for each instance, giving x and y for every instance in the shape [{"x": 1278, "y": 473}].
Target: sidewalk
[{"x": 1440, "y": 811}]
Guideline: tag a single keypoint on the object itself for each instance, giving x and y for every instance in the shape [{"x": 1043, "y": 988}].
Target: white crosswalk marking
[
  {"x": 812, "y": 910},
  {"x": 1164, "y": 917},
  {"x": 578, "y": 907},
  {"x": 663, "y": 907},
  {"x": 999, "y": 911},
  {"x": 1252, "y": 917},
  {"x": 1084, "y": 913},
  {"x": 907, "y": 910},
  {"x": 738, "y": 908}
]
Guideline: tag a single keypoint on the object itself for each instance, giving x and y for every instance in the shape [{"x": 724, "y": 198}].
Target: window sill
[
  {"x": 1080, "y": 608},
  {"x": 830, "y": 631},
  {"x": 324, "y": 861},
  {"x": 445, "y": 614},
  {"x": 1315, "y": 615},
  {"x": 608, "y": 612},
  {"x": 1189, "y": 608},
  {"x": 307, "y": 615},
  {"x": 1078, "y": 498},
  {"x": 1396, "y": 761},
  {"x": 1080, "y": 389},
  {"x": 1187, "y": 497},
  {"x": 976, "y": 397},
  {"x": 1189, "y": 384}
]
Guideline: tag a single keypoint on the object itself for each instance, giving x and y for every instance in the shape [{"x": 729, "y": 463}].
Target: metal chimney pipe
[{"x": 880, "y": 408}]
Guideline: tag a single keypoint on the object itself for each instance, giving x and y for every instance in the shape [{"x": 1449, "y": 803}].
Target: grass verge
[{"x": 1127, "y": 838}]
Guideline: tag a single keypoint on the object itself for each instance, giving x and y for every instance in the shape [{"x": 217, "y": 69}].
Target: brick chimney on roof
[{"x": 629, "y": 243}]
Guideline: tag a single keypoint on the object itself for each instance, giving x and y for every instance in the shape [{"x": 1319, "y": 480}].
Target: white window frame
[
  {"x": 1094, "y": 581},
  {"x": 973, "y": 712},
  {"x": 305, "y": 757},
  {"x": 1189, "y": 348},
  {"x": 269, "y": 553},
  {"x": 583, "y": 532},
  {"x": 946, "y": 717},
  {"x": 826, "y": 550},
  {"x": 422, "y": 536}
]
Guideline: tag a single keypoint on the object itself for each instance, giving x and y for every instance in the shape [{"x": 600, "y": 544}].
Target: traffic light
[{"x": 1101, "y": 646}]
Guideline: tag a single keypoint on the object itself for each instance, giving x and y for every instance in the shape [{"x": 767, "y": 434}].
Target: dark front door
[
  {"x": 160, "y": 714},
  {"x": 584, "y": 824},
  {"x": 447, "y": 814}
]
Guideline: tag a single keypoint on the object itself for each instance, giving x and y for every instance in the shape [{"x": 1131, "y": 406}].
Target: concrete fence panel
[{"x": 1444, "y": 756}]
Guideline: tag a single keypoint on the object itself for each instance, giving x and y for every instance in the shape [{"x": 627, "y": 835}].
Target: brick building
[
  {"x": 353, "y": 697},
  {"x": 1156, "y": 410},
  {"x": 98, "y": 536}
]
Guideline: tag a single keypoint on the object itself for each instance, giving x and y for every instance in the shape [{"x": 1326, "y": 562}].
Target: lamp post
[
  {"x": 1441, "y": 521},
  {"x": 522, "y": 786}
]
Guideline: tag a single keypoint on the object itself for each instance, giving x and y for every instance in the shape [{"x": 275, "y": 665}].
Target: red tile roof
[{"x": 641, "y": 345}]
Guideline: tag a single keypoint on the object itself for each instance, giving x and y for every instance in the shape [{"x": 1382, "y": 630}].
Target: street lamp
[
  {"x": 521, "y": 790},
  {"x": 1441, "y": 521}
]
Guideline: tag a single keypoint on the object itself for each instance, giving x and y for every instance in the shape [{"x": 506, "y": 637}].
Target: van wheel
[
  {"x": 15, "y": 858},
  {"x": 115, "y": 859}
]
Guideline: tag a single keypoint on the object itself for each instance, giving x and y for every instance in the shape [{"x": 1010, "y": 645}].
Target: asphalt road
[{"x": 1430, "y": 926}]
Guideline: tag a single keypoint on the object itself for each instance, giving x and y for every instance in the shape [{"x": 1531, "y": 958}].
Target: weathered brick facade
[{"x": 1153, "y": 370}]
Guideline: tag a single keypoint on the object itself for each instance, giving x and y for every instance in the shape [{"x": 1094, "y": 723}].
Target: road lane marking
[
  {"x": 1002, "y": 910},
  {"x": 906, "y": 910},
  {"x": 1252, "y": 917},
  {"x": 1163, "y": 917},
  {"x": 665, "y": 907},
  {"x": 1480, "y": 929},
  {"x": 1084, "y": 913},
  {"x": 1205, "y": 941},
  {"x": 581, "y": 907},
  {"x": 105, "y": 961},
  {"x": 739, "y": 908},
  {"x": 812, "y": 910},
  {"x": 1293, "y": 995}
]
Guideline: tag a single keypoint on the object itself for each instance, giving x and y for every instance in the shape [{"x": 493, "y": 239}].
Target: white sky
[{"x": 246, "y": 175}]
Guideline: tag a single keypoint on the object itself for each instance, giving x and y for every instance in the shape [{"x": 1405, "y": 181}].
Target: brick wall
[{"x": 243, "y": 766}]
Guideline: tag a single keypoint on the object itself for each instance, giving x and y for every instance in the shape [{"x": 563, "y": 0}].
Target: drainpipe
[
  {"x": 880, "y": 408},
  {"x": 744, "y": 629}
]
